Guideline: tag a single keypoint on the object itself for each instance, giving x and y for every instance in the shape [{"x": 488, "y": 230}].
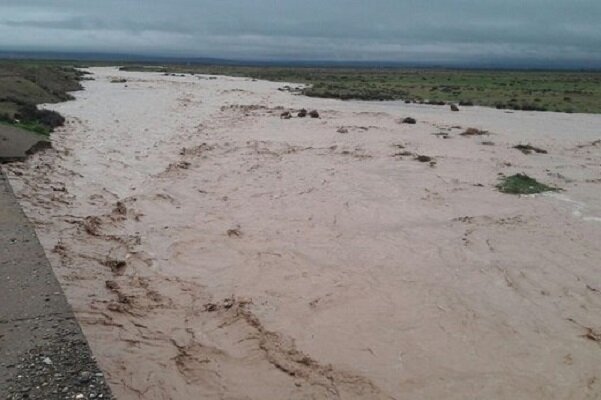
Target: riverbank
[{"x": 43, "y": 353}]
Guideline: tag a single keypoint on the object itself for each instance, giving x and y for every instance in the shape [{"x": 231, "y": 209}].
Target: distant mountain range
[{"x": 157, "y": 59}]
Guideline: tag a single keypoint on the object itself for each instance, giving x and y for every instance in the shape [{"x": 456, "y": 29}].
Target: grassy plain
[{"x": 517, "y": 90}]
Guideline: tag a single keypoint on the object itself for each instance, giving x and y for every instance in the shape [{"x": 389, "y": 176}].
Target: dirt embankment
[{"x": 43, "y": 353}]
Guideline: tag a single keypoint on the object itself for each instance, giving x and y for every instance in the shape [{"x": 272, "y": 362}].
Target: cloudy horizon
[{"x": 410, "y": 31}]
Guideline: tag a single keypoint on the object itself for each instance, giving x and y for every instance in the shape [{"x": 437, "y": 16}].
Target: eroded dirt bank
[{"x": 212, "y": 249}]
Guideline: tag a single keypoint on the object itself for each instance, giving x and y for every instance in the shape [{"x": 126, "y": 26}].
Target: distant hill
[{"x": 512, "y": 64}]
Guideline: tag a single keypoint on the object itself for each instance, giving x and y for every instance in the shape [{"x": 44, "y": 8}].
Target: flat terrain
[
  {"x": 213, "y": 249},
  {"x": 518, "y": 90}
]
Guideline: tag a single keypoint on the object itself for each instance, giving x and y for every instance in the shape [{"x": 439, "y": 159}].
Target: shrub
[
  {"x": 523, "y": 184},
  {"x": 4, "y": 117},
  {"x": 47, "y": 118},
  {"x": 528, "y": 149},
  {"x": 422, "y": 158},
  {"x": 473, "y": 132}
]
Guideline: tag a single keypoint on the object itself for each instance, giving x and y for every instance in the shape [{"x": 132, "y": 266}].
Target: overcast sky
[{"x": 386, "y": 30}]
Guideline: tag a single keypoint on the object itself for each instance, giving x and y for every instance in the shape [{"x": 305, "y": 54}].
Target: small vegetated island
[{"x": 523, "y": 184}]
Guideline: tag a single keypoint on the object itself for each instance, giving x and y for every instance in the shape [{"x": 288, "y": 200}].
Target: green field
[
  {"x": 24, "y": 84},
  {"x": 517, "y": 90}
]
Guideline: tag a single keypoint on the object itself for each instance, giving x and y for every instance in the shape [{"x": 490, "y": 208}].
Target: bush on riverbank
[{"x": 24, "y": 84}]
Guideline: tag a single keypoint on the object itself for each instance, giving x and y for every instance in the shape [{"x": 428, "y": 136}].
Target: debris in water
[{"x": 528, "y": 149}]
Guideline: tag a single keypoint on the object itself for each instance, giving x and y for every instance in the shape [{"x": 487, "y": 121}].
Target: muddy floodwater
[{"x": 212, "y": 249}]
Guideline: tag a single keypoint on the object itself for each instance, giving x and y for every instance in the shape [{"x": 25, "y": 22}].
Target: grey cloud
[{"x": 395, "y": 30}]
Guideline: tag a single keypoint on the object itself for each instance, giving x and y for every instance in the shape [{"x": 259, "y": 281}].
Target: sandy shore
[{"x": 214, "y": 250}]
